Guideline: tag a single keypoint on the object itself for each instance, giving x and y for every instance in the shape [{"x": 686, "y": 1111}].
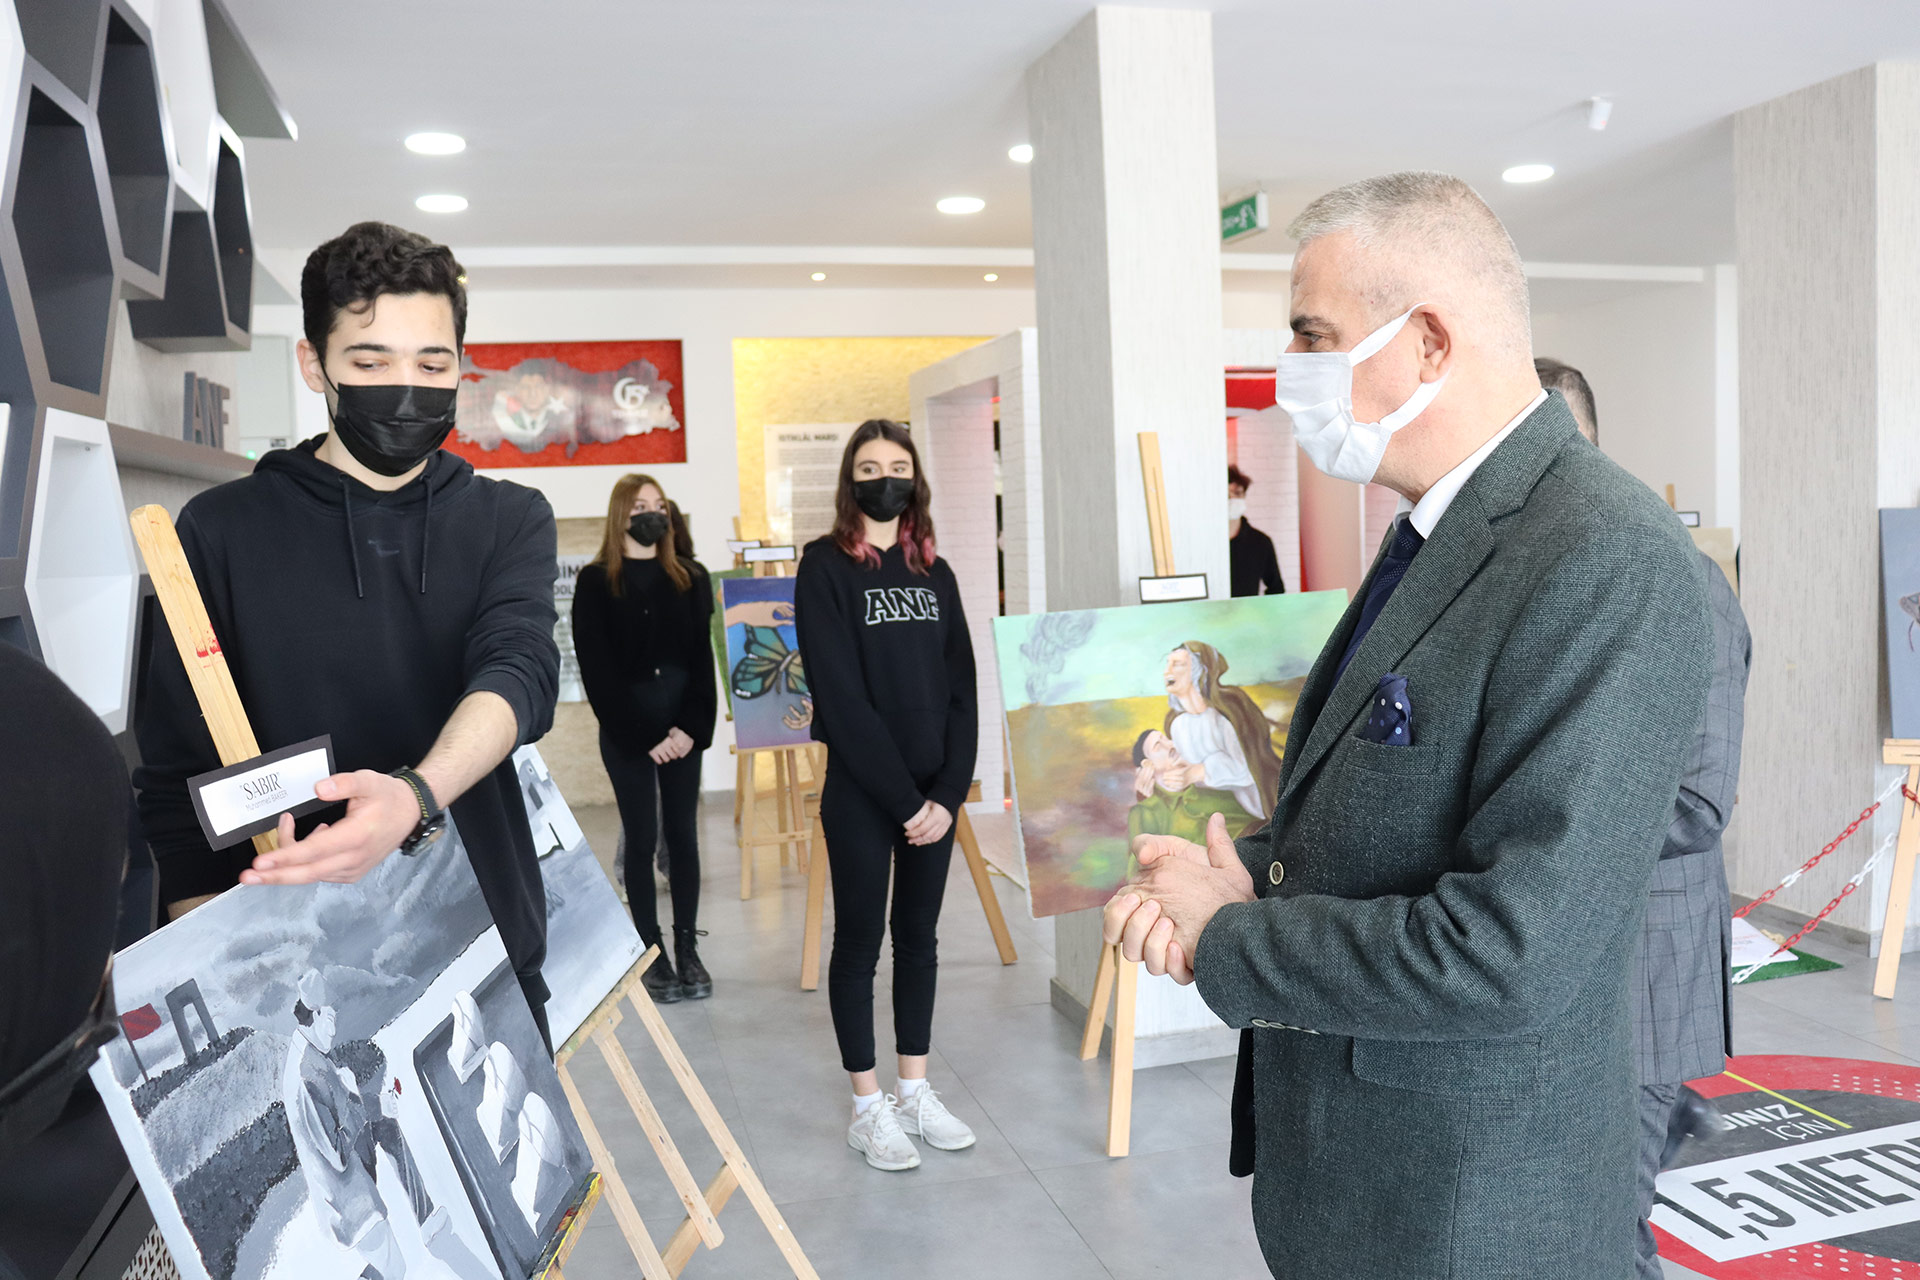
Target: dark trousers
[
  {"x": 863, "y": 844},
  {"x": 653, "y": 797},
  {"x": 1656, "y": 1112}
]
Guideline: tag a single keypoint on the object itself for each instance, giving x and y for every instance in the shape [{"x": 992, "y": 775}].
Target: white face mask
[
  {"x": 1315, "y": 388},
  {"x": 1236, "y": 508}
]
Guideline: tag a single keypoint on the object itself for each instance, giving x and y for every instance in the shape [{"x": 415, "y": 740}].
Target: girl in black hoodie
[
  {"x": 891, "y": 668},
  {"x": 640, "y": 627}
]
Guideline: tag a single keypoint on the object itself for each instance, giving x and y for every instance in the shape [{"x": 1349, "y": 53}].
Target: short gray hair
[
  {"x": 1433, "y": 217},
  {"x": 1558, "y": 375}
]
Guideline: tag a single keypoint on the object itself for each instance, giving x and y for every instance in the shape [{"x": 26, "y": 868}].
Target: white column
[
  {"x": 1827, "y": 194},
  {"x": 1127, "y": 289}
]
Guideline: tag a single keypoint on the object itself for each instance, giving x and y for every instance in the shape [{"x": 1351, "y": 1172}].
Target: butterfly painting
[
  {"x": 766, "y": 677},
  {"x": 1899, "y": 576}
]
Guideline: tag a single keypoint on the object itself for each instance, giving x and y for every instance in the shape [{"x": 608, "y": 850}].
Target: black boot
[
  {"x": 1693, "y": 1117},
  {"x": 695, "y": 982},
  {"x": 661, "y": 982}
]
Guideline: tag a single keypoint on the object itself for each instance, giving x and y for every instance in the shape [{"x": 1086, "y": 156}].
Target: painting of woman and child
[{"x": 1147, "y": 720}]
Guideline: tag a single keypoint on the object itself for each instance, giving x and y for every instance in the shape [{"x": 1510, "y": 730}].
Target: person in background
[
  {"x": 640, "y": 626},
  {"x": 891, "y": 666},
  {"x": 1253, "y": 568},
  {"x": 1684, "y": 983}
]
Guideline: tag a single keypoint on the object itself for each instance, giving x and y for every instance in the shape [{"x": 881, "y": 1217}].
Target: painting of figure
[
  {"x": 1147, "y": 720},
  {"x": 1900, "y": 583},
  {"x": 766, "y": 679},
  {"x": 269, "y": 1090}
]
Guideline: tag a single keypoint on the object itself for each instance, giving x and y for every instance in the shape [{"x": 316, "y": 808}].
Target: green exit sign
[{"x": 1243, "y": 217}]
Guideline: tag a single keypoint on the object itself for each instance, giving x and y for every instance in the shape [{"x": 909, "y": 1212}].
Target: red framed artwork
[{"x": 571, "y": 404}]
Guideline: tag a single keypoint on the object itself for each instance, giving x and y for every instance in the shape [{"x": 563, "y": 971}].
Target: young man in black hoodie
[{"x": 368, "y": 585}]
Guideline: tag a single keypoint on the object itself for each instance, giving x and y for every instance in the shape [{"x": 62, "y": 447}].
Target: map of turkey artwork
[{"x": 564, "y": 404}]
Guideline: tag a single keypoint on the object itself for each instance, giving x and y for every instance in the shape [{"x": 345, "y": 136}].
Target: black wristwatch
[{"x": 433, "y": 819}]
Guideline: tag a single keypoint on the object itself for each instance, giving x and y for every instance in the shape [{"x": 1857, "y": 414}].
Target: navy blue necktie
[{"x": 1406, "y": 542}]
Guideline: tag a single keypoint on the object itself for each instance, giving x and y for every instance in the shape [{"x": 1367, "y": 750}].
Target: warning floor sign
[{"x": 1817, "y": 1173}]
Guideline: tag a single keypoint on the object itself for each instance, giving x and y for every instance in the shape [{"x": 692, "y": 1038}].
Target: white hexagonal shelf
[{"x": 83, "y": 574}]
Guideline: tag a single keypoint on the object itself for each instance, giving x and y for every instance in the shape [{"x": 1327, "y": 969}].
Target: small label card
[
  {"x": 754, "y": 555},
  {"x": 735, "y": 547},
  {"x": 242, "y": 800},
  {"x": 1185, "y": 586}
]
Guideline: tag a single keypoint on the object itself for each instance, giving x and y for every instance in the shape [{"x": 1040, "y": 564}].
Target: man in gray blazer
[
  {"x": 1430, "y": 944},
  {"x": 1683, "y": 981}
]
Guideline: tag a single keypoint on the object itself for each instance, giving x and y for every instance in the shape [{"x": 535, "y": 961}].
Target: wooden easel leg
[
  {"x": 686, "y": 1241},
  {"x": 656, "y": 1129},
  {"x": 749, "y": 794},
  {"x": 983, "y": 884},
  {"x": 1097, "y": 1007},
  {"x": 1120, "y": 1098},
  {"x": 625, "y": 1212},
  {"x": 730, "y": 1151},
  {"x": 782, "y": 800},
  {"x": 742, "y": 778},
  {"x": 1900, "y": 893},
  {"x": 816, "y": 911}
]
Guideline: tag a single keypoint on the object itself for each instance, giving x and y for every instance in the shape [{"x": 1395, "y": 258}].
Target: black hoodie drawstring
[
  {"x": 426, "y": 532},
  {"x": 353, "y": 546}
]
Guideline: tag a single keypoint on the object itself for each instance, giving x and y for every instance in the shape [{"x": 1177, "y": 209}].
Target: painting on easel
[
  {"x": 341, "y": 1080},
  {"x": 766, "y": 680},
  {"x": 591, "y": 942},
  {"x": 1147, "y": 720},
  {"x": 1900, "y": 582}
]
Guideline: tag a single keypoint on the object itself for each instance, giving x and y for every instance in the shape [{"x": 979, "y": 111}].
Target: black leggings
[
  {"x": 637, "y": 780},
  {"x": 862, "y": 842}
]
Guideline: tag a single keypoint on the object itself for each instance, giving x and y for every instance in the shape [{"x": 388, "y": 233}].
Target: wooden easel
[
  {"x": 1117, "y": 978},
  {"x": 701, "y": 1225},
  {"x": 796, "y": 774},
  {"x": 567, "y": 1234},
  {"x": 1893, "y": 931},
  {"x": 963, "y": 836},
  {"x": 199, "y": 647}
]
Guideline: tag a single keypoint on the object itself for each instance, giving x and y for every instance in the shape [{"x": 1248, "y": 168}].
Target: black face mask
[
  {"x": 885, "y": 498},
  {"x": 648, "y": 527},
  {"x": 392, "y": 429}
]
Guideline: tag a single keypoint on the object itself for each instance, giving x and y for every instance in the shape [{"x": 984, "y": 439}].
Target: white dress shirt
[{"x": 1434, "y": 503}]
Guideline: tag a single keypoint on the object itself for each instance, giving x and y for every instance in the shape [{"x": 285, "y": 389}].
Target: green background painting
[{"x": 1081, "y": 687}]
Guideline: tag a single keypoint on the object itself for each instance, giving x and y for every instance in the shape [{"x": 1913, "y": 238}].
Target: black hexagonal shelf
[
  {"x": 61, "y": 230},
  {"x": 233, "y": 232},
  {"x": 133, "y": 134},
  {"x": 63, "y": 36}
]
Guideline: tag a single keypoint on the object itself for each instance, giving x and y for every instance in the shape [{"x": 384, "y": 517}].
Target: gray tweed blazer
[
  {"x": 1682, "y": 984},
  {"x": 1438, "y": 1075}
]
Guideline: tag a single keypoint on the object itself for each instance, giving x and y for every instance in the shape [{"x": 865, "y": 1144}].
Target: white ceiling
[{"x": 840, "y": 122}]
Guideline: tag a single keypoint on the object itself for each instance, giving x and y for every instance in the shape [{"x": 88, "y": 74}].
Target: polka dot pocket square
[{"x": 1390, "y": 714}]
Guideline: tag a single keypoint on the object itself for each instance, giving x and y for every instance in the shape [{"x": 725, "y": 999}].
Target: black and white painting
[
  {"x": 270, "y": 1092},
  {"x": 1900, "y": 583},
  {"x": 591, "y": 942}
]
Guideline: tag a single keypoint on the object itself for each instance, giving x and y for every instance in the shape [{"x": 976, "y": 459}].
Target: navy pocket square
[{"x": 1390, "y": 715}]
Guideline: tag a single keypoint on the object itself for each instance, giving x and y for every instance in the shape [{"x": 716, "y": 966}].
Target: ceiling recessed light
[
  {"x": 1528, "y": 173},
  {"x": 436, "y": 144},
  {"x": 961, "y": 204},
  {"x": 819, "y": 275},
  {"x": 1021, "y": 153},
  {"x": 441, "y": 204},
  {"x": 990, "y": 277}
]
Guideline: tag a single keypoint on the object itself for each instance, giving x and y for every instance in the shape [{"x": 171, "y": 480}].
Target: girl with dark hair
[
  {"x": 891, "y": 666},
  {"x": 640, "y": 626}
]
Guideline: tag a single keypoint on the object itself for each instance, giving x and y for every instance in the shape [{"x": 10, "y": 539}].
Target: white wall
[{"x": 1651, "y": 358}]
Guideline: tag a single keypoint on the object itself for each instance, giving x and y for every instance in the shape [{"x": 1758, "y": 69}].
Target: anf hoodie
[
  {"x": 366, "y": 615},
  {"x": 890, "y": 663}
]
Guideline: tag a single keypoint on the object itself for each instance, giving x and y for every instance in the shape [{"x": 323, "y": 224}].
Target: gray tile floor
[{"x": 1037, "y": 1196}]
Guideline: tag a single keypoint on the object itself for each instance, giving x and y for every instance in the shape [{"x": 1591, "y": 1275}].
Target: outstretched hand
[
  {"x": 381, "y": 812},
  {"x": 1160, "y": 915}
]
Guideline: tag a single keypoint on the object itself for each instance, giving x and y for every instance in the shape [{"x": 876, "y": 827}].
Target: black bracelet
[{"x": 429, "y": 806}]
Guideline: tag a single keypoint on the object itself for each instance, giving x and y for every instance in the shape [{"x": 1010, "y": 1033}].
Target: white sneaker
[
  {"x": 876, "y": 1134},
  {"x": 925, "y": 1116}
]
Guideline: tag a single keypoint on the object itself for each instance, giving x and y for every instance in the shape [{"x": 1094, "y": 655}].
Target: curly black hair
[{"x": 370, "y": 259}]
